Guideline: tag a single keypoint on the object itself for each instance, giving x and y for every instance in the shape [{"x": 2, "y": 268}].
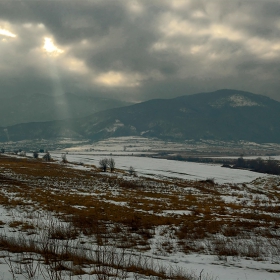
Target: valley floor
[{"x": 71, "y": 221}]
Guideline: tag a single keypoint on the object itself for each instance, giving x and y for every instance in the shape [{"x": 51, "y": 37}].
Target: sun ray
[{"x": 58, "y": 92}]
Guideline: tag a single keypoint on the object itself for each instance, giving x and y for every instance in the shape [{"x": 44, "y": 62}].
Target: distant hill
[
  {"x": 221, "y": 115},
  {"x": 41, "y": 107}
]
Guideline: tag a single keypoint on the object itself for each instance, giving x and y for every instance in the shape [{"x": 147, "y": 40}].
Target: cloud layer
[{"x": 139, "y": 50}]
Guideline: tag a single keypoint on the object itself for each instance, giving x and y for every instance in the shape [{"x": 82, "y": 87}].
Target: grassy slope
[{"x": 232, "y": 220}]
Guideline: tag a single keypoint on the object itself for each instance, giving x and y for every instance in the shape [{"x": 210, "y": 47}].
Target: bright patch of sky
[
  {"x": 50, "y": 47},
  {"x": 7, "y": 33},
  {"x": 117, "y": 79}
]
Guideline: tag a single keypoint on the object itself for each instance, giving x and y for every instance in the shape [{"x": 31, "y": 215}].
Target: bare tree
[
  {"x": 112, "y": 164},
  {"x": 103, "y": 164},
  {"x": 47, "y": 157},
  {"x": 35, "y": 154}
]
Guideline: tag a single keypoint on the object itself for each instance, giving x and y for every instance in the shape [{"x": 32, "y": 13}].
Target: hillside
[
  {"x": 69, "y": 221},
  {"x": 221, "y": 115}
]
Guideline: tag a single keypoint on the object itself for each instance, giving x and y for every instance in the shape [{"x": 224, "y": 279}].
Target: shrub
[
  {"x": 22, "y": 153},
  {"x": 35, "y": 154},
  {"x": 47, "y": 157},
  {"x": 111, "y": 164},
  {"x": 103, "y": 164},
  {"x": 132, "y": 171},
  {"x": 64, "y": 158}
]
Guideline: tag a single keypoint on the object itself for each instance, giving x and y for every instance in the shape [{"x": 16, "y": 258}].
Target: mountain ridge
[{"x": 227, "y": 115}]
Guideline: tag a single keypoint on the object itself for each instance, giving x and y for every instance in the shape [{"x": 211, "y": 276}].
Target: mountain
[
  {"x": 41, "y": 107},
  {"x": 221, "y": 115}
]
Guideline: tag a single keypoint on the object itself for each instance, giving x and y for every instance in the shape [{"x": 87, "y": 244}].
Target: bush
[
  {"x": 132, "y": 171},
  {"x": 111, "y": 164},
  {"x": 47, "y": 157},
  {"x": 64, "y": 158},
  {"x": 35, "y": 154},
  {"x": 22, "y": 153},
  {"x": 103, "y": 164}
]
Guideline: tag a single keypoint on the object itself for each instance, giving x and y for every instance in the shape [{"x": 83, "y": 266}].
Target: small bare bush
[
  {"x": 103, "y": 164},
  {"x": 132, "y": 171},
  {"x": 64, "y": 158},
  {"x": 111, "y": 164},
  {"x": 47, "y": 157}
]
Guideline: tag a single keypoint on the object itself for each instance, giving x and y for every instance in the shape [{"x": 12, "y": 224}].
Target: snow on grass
[
  {"x": 178, "y": 212},
  {"x": 164, "y": 248},
  {"x": 230, "y": 269}
]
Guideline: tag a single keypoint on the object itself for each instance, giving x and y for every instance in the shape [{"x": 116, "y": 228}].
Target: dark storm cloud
[{"x": 141, "y": 49}]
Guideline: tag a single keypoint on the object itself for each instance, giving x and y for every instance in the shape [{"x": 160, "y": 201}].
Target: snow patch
[
  {"x": 235, "y": 100},
  {"x": 115, "y": 126}
]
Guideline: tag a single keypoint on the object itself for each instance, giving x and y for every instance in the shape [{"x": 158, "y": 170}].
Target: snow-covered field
[
  {"x": 162, "y": 168},
  {"x": 137, "y": 144}
]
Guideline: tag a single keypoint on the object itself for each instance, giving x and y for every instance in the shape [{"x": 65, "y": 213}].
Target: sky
[{"x": 139, "y": 50}]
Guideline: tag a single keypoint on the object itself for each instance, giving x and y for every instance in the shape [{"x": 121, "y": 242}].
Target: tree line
[{"x": 270, "y": 166}]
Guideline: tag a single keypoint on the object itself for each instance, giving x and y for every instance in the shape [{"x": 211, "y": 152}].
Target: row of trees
[{"x": 269, "y": 166}]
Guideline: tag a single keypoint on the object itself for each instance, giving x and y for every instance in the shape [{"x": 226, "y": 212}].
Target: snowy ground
[
  {"x": 137, "y": 144},
  {"x": 162, "y": 168},
  {"x": 260, "y": 189}
]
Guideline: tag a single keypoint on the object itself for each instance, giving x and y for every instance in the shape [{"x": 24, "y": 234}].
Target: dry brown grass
[{"x": 130, "y": 211}]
